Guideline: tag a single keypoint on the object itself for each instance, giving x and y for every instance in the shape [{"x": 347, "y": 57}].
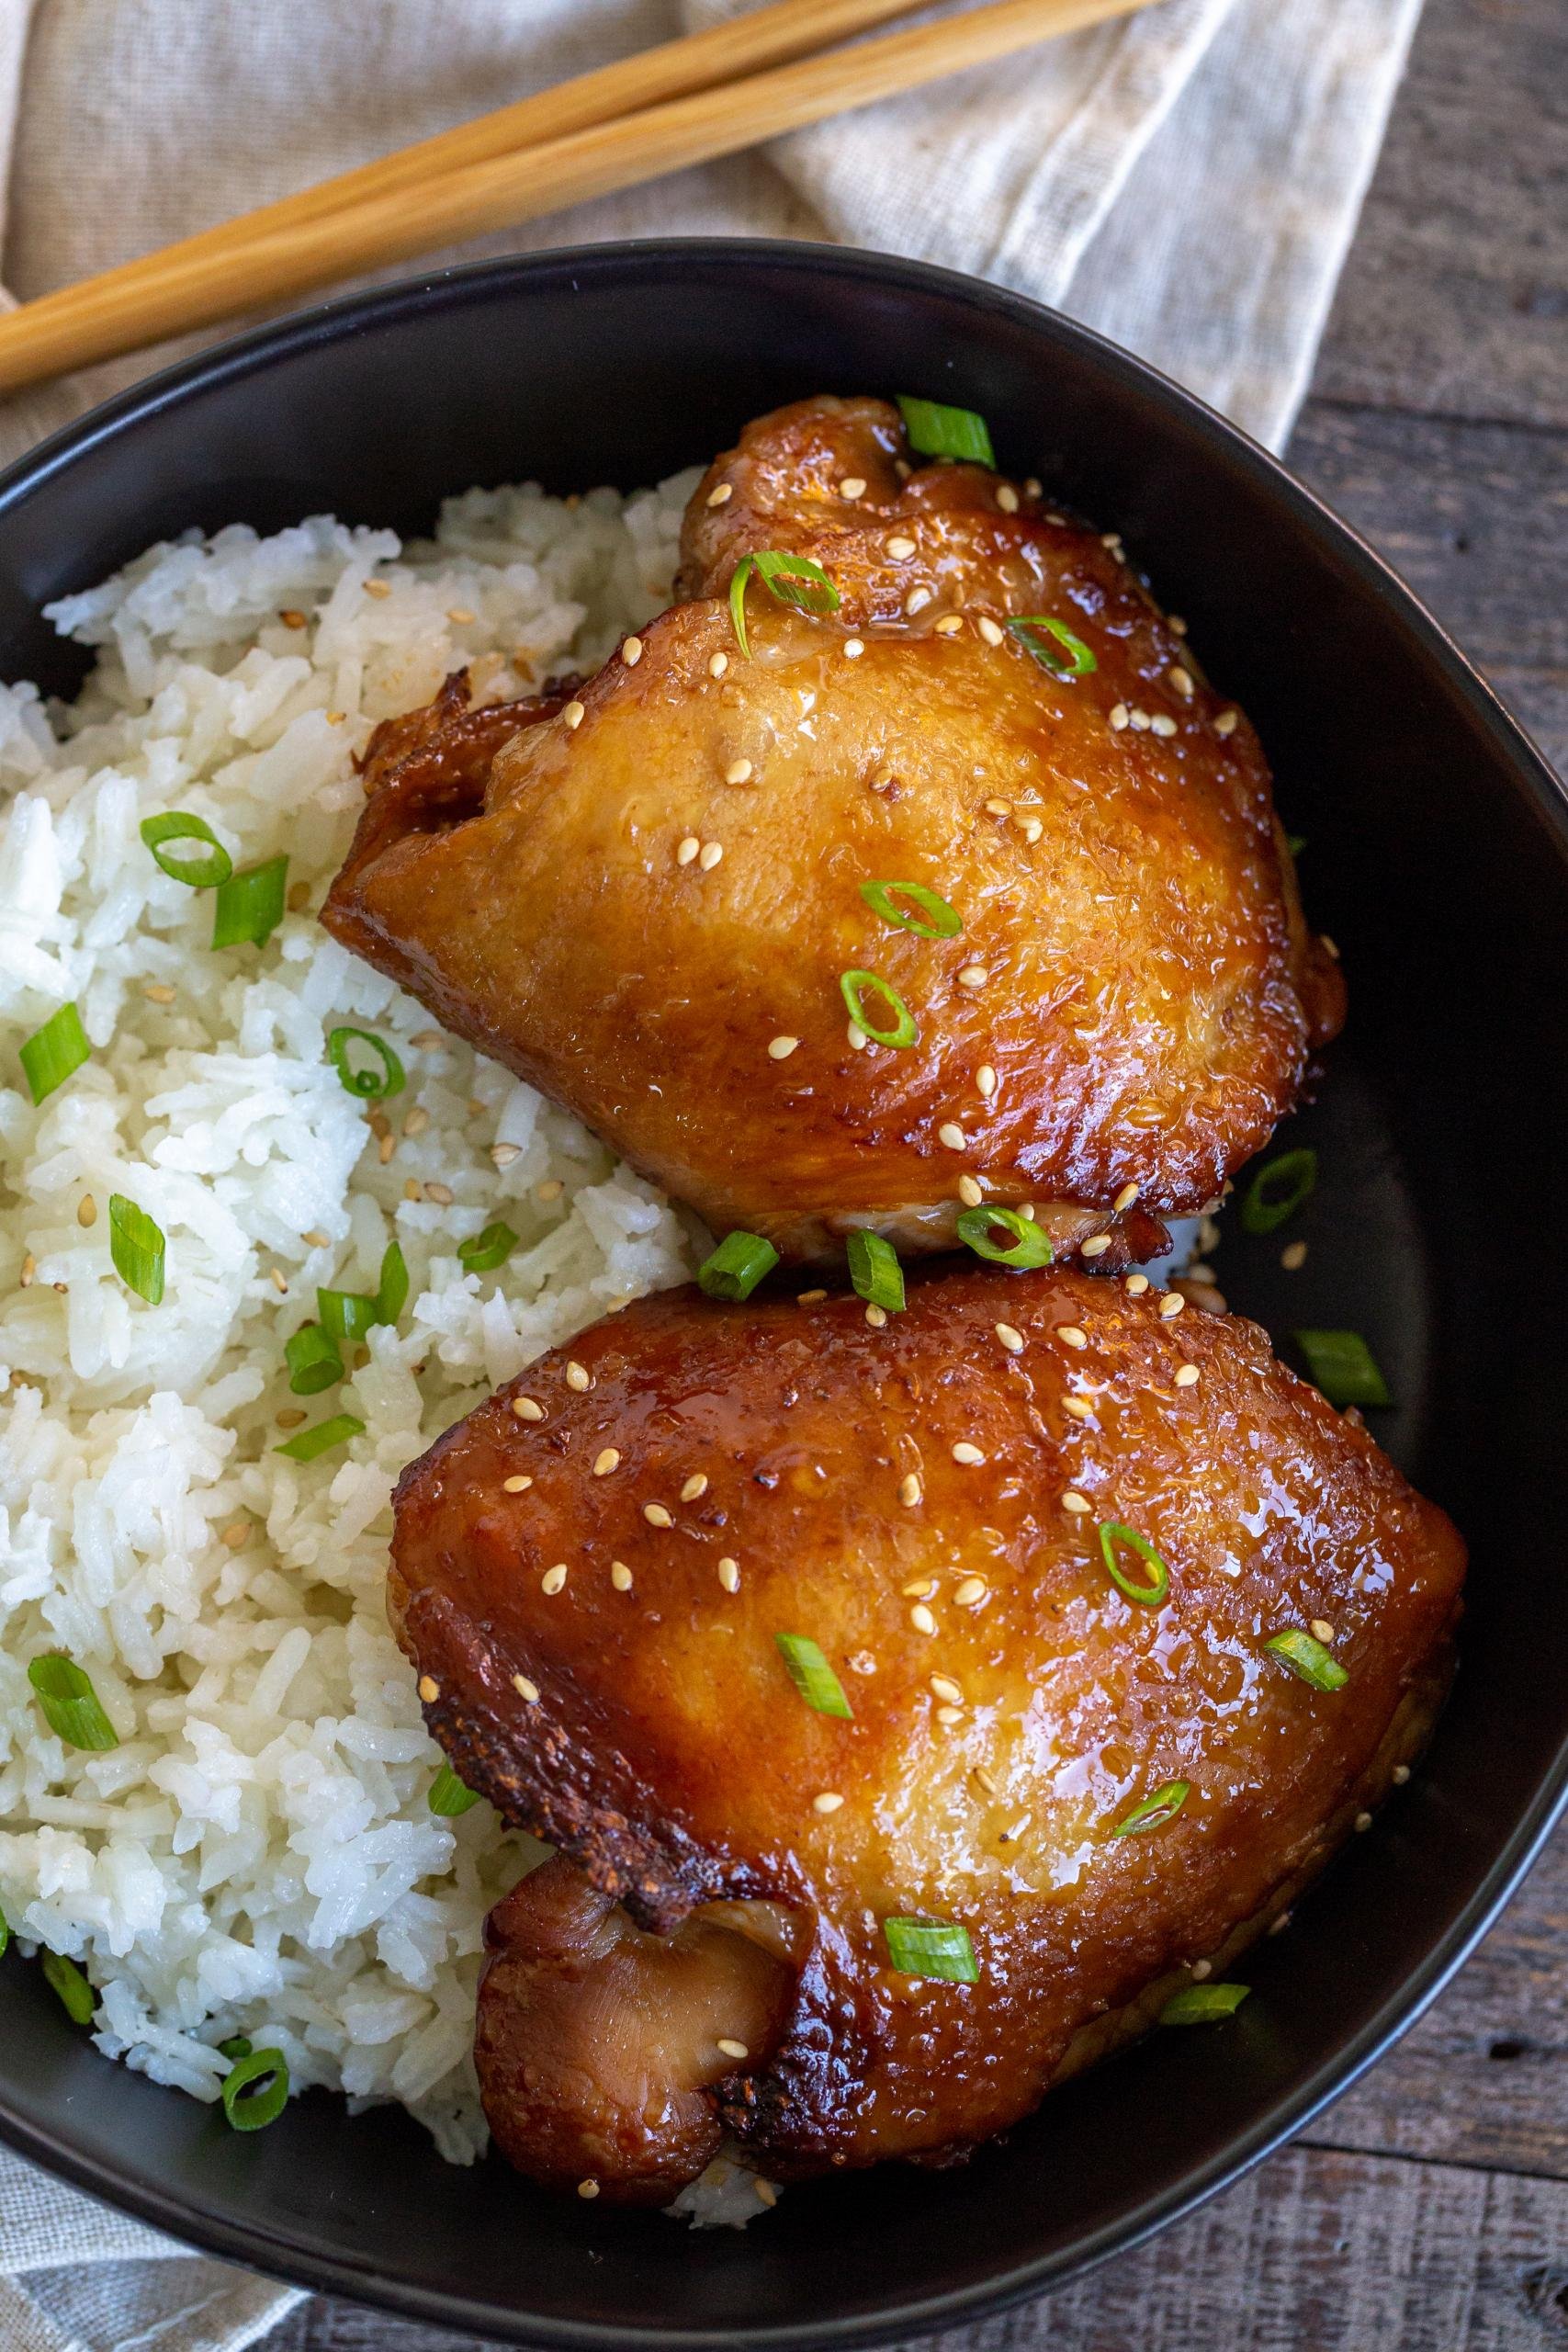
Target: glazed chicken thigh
[
  {"x": 907, "y": 1705},
  {"x": 971, "y": 875}
]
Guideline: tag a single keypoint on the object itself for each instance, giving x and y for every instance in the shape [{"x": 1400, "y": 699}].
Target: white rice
[{"x": 257, "y": 1855}]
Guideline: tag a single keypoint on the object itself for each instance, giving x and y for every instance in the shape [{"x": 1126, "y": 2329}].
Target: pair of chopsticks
[{"x": 683, "y": 103}]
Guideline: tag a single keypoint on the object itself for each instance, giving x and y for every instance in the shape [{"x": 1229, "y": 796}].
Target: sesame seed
[
  {"x": 970, "y": 1593},
  {"x": 986, "y": 1780},
  {"x": 1175, "y": 623},
  {"x": 709, "y": 855},
  {"x": 730, "y": 1575},
  {"x": 1121, "y": 716},
  {"x": 943, "y": 1687},
  {"x": 1278, "y": 1927},
  {"x": 236, "y": 1535},
  {"x": 852, "y": 486},
  {"x": 1032, "y": 487},
  {"x": 687, "y": 850},
  {"x": 1124, "y": 1199},
  {"x": 657, "y": 1516},
  {"x": 766, "y": 2194},
  {"x": 1140, "y": 721},
  {"x": 900, "y": 548},
  {"x": 525, "y": 1690},
  {"x": 949, "y": 625},
  {"x": 967, "y": 1454},
  {"x": 1400, "y": 1775},
  {"x": 1010, "y": 1338},
  {"x": 858, "y": 1039},
  {"x": 298, "y": 898},
  {"x": 921, "y": 1588},
  {"x": 951, "y": 1136},
  {"x": 969, "y": 1192},
  {"x": 916, "y": 600},
  {"x": 717, "y": 664},
  {"x": 631, "y": 652},
  {"x": 1363, "y": 1821},
  {"x": 949, "y": 1714},
  {"x": 986, "y": 1080},
  {"x": 429, "y": 1040},
  {"x": 921, "y": 1619},
  {"x": 86, "y": 1210},
  {"x": 417, "y": 1121},
  {"x": 1071, "y": 1336},
  {"x": 1077, "y": 1504},
  {"x": 428, "y": 1690},
  {"x": 875, "y": 1316},
  {"x": 1293, "y": 1257},
  {"x": 721, "y": 493},
  {"x": 909, "y": 1490},
  {"x": 1202, "y": 1968},
  {"x": 1162, "y": 723},
  {"x": 461, "y": 614},
  {"x": 1026, "y": 1210},
  {"x": 989, "y": 630},
  {"x": 1078, "y": 1407},
  {"x": 292, "y": 1417},
  {"x": 440, "y": 1193},
  {"x": 1225, "y": 722},
  {"x": 973, "y": 976},
  {"x": 999, "y": 807},
  {"x": 503, "y": 1154},
  {"x": 1171, "y": 1305},
  {"x": 1032, "y": 828},
  {"x": 158, "y": 992},
  {"x": 1181, "y": 680},
  {"x": 829, "y": 1801},
  {"x": 1187, "y": 1376},
  {"x": 553, "y": 1580},
  {"x": 620, "y": 1576},
  {"x": 853, "y": 647},
  {"x": 1137, "y": 1285},
  {"x": 517, "y": 1485},
  {"x": 588, "y": 2188},
  {"x": 1328, "y": 945},
  {"x": 811, "y": 1298},
  {"x": 292, "y": 619},
  {"x": 781, "y": 1048},
  {"x": 732, "y": 2048},
  {"x": 574, "y": 714},
  {"x": 738, "y": 772},
  {"x": 1096, "y": 1246},
  {"x": 695, "y": 1487},
  {"x": 315, "y": 1238},
  {"x": 279, "y": 1284},
  {"x": 1323, "y": 1629},
  {"x": 578, "y": 1376},
  {"x": 527, "y": 1409},
  {"x": 550, "y": 1190},
  {"x": 1111, "y": 540},
  {"x": 1007, "y": 498}
]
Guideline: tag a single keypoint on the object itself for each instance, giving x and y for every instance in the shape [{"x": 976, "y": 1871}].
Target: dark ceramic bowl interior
[{"x": 1437, "y": 856}]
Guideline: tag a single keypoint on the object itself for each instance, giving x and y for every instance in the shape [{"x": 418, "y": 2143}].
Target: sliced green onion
[
  {"x": 370, "y": 1085},
  {"x": 1156, "y": 1811},
  {"x": 236, "y": 2048},
  {"x": 195, "y": 873},
  {"x": 62, "y": 1976},
  {"x": 813, "y": 1676},
  {"x": 1342, "y": 1365},
  {"x": 249, "y": 906},
  {"x": 322, "y": 1437},
  {"x": 1279, "y": 1190},
  {"x": 1029, "y": 1246},
  {"x": 875, "y": 1272},
  {"x": 393, "y": 1290},
  {"x": 1080, "y": 661},
  {"x": 931, "y": 1948},
  {"x": 313, "y": 1361},
  {"x": 1203, "y": 2004},
  {"x": 942, "y": 921},
  {"x": 937, "y": 431},
  {"x": 350, "y": 1314},
  {"x": 4, "y": 1934},
  {"x": 1150, "y": 1595},
  {"x": 448, "y": 1797},
  {"x": 736, "y": 1266},
  {"x": 136, "y": 1245},
  {"x": 484, "y": 1251},
  {"x": 71, "y": 1705},
  {"x": 789, "y": 580},
  {"x": 249, "y": 2108},
  {"x": 903, "y": 1032},
  {"x": 51, "y": 1053},
  {"x": 1305, "y": 1656}
]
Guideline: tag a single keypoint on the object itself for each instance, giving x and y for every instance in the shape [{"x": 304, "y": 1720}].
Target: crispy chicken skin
[
  {"x": 598, "y": 1656},
  {"x": 637, "y": 896}
]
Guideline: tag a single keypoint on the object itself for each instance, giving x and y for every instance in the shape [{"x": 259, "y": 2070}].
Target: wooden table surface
[{"x": 1426, "y": 2211}]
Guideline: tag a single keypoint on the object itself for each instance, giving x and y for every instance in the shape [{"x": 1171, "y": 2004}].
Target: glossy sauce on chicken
[
  {"x": 649, "y": 898},
  {"x": 591, "y": 1574}
]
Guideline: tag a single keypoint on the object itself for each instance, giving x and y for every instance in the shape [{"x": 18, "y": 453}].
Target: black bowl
[{"x": 1437, "y": 855}]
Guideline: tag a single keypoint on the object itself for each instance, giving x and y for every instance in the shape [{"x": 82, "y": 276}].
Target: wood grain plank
[{"x": 1455, "y": 299}]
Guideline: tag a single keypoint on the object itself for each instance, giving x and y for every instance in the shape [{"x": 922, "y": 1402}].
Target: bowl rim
[{"x": 276, "y": 2254}]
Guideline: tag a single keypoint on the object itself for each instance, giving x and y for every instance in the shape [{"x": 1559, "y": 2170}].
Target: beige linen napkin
[{"x": 1187, "y": 181}]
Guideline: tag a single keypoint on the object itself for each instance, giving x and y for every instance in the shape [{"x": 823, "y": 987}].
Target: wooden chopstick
[{"x": 219, "y": 274}]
